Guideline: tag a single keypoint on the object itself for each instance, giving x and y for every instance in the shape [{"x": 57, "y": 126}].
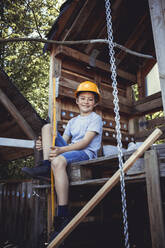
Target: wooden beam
[
  {"x": 148, "y": 104},
  {"x": 104, "y": 190},
  {"x": 17, "y": 143},
  {"x": 154, "y": 199},
  {"x": 102, "y": 27},
  {"x": 80, "y": 20},
  {"x": 139, "y": 29},
  {"x": 64, "y": 20},
  {"x": 73, "y": 69},
  {"x": 16, "y": 115},
  {"x": 158, "y": 25},
  {"x": 141, "y": 84},
  {"x": 74, "y": 54}
]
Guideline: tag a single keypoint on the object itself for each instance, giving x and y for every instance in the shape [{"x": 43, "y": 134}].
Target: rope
[
  {"x": 117, "y": 118},
  {"x": 53, "y": 144}
]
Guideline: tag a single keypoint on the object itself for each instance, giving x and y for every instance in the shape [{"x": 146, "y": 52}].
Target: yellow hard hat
[{"x": 88, "y": 86}]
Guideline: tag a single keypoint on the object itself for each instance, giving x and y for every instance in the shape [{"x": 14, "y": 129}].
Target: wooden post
[
  {"x": 154, "y": 199},
  {"x": 49, "y": 213},
  {"x": 55, "y": 71},
  {"x": 158, "y": 25},
  {"x": 105, "y": 189},
  {"x": 141, "y": 84}
]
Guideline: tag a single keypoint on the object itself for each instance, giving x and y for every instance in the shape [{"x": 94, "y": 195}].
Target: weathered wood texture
[
  {"x": 18, "y": 119},
  {"x": 17, "y": 143},
  {"x": 68, "y": 85},
  {"x": 104, "y": 190},
  {"x": 149, "y": 104},
  {"x": 62, "y": 51},
  {"x": 154, "y": 199},
  {"x": 16, "y": 115},
  {"x": 158, "y": 25},
  {"x": 22, "y": 214}
]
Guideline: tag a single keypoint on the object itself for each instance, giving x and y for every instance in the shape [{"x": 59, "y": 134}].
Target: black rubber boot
[
  {"x": 41, "y": 170},
  {"x": 59, "y": 224}
]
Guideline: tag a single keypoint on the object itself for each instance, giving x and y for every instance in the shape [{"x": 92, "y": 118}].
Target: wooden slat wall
[
  {"x": 22, "y": 215},
  {"x": 71, "y": 74}
]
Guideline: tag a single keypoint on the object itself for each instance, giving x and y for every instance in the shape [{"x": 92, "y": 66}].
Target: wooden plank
[
  {"x": 104, "y": 190},
  {"x": 133, "y": 37},
  {"x": 149, "y": 104},
  {"x": 149, "y": 98},
  {"x": 155, "y": 122},
  {"x": 16, "y": 115},
  {"x": 16, "y": 143},
  {"x": 149, "y": 107},
  {"x": 65, "y": 19},
  {"x": 154, "y": 199},
  {"x": 158, "y": 25},
  {"x": 104, "y": 103},
  {"x": 73, "y": 70},
  {"x": 49, "y": 213},
  {"x": 74, "y": 54},
  {"x": 116, "y": 5},
  {"x": 80, "y": 20},
  {"x": 140, "y": 136},
  {"x": 141, "y": 84}
]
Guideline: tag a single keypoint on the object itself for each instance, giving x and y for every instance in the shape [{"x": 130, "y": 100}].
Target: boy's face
[{"x": 86, "y": 102}]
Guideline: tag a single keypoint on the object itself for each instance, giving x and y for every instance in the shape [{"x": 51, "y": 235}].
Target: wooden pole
[
  {"x": 105, "y": 189},
  {"x": 158, "y": 25},
  {"x": 154, "y": 199}
]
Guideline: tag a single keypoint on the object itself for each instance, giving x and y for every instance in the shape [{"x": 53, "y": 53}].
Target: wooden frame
[
  {"x": 16, "y": 115},
  {"x": 158, "y": 25},
  {"x": 154, "y": 199},
  {"x": 17, "y": 143},
  {"x": 104, "y": 190}
]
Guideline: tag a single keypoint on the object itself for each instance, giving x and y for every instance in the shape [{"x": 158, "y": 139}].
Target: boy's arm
[{"x": 77, "y": 146}]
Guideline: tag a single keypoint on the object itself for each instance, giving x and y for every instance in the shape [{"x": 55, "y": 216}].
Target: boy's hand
[
  {"x": 39, "y": 143},
  {"x": 54, "y": 152}
]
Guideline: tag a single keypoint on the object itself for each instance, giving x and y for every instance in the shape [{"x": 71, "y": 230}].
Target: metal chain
[{"x": 117, "y": 118}]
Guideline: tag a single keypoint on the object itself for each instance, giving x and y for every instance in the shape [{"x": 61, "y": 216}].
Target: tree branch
[
  {"x": 105, "y": 41},
  {"x": 35, "y": 19}
]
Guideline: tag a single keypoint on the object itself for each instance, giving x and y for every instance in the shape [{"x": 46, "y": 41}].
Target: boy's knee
[
  {"x": 59, "y": 162},
  {"x": 46, "y": 126}
]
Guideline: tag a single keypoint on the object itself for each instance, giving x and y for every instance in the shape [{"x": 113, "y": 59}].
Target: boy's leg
[
  {"x": 43, "y": 169},
  {"x": 46, "y": 140},
  {"x": 61, "y": 179},
  {"x": 58, "y": 166}
]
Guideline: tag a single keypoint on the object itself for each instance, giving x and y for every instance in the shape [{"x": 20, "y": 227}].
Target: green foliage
[
  {"x": 155, "y": 115},
  {"x": 24, "y": 62},
  {"x": 135, "y": 92},
  {"x": 12, "y": 170}
]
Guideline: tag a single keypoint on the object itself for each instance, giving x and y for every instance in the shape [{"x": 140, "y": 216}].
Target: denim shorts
[{"x": 72, "y": 156}]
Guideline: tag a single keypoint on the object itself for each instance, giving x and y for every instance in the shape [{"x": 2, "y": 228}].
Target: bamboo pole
[{"x": 105, "y": 189}]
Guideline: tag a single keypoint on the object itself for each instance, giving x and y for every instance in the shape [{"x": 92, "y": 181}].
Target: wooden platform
[{"x": 98, "y": 171}]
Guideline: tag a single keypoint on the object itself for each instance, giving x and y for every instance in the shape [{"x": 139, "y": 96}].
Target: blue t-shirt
[{"x": 79, "y": 125}]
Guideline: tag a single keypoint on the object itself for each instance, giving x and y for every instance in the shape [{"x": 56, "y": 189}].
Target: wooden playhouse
[{"x": 139, "y": 27}]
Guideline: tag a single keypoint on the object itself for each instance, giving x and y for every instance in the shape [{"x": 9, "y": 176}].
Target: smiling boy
[{"x": 85, "y": 132}]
